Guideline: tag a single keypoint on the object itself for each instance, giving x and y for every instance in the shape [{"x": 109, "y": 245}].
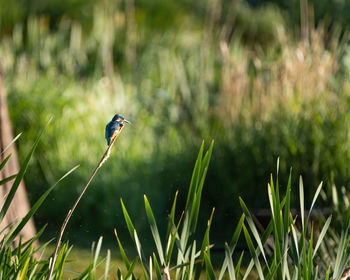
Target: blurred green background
[{"x": 261, "y": 78}]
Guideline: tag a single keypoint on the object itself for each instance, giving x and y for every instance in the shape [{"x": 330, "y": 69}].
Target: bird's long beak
[{"x": 127, "y": 121}]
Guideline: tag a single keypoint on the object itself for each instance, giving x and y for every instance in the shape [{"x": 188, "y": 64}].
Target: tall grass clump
[
  {"x": 197, "y": 80},
  {"x": 287, "y": 248},
  {"x": 29, "y": 259},
  {"x": 23, "y": 261}
]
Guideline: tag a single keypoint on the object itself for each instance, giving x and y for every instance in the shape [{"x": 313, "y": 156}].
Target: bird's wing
[{"x": 107, "y": 130}]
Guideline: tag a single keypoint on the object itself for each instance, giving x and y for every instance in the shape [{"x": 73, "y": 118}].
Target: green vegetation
[
  {"x": 183, "y": 71},
  {"x": 283, "y": 250},
  {"x": 258, "y": 100}
]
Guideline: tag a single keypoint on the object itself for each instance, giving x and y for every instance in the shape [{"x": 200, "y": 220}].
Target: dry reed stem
[{"x": 70, "y": 212}]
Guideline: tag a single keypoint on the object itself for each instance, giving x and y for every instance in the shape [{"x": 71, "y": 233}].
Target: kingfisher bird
[{"x": 114, "y": 127}]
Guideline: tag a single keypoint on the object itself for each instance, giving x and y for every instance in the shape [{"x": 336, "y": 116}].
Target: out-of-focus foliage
[{"x": 239, "y": 76}]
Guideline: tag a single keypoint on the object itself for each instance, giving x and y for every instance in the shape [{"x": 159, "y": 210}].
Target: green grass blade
[
  {"x": 8, "y": 179},
  {"x": 20, "y": 176},
  {"x": 278, "y": 216},
  {"x": 150, "y": 267},
  {"x": 108, "y": 262},
  {"x": 340, "y": 254},
  {"x": 192, "y": 259},
  {"x": 9, "y": 145},
  {"x": 205, "y": 245},
  {"x": 207, "y": 157},
  {"x": 3, "y": 163},
  {"x": 179, "y": 266},
  {"x": 172, "y": 215},
  {"x": 248, "y": 270},
  {"x": 295, "y": 248},
  {"x": 97, "y": 251},
  {"x": 301, "y": 197},
  {"x": 313, "y": 201},
  {"x": 197, "y": 202},
  {"x": 271, "y": 195},
  {"x": 228, "y": 257},
  {"x": 322, "y": 234},
  {"x": 128, "y": 221},
  {"x": 233, "y": 244},
  {"x": 328, "y": 273},
  {"x": 195, "y": 176},
  {"x": 287, "y": 205},
  {"x": 157, "y": 267},
  {"x": 131, "y": 268},
  {"x": 305, "y": 266},
  {"x": 140, "y": 252},
  {"x": 252, "y": 227},
  {"x": 25, "y": 269},
  {"x": 206, "y": 242},
  {"x": 122, "y": 252},
  {"x": 209, "y": 267},
  {"x": 238, "y": 266},
  {"x": 252, "y": 252},
  {"x": 319, "y": 188},
  {"x": 237, "y": 233},
  {"x": 172, "y": 238},
  {"x": 9, "y": 238},
  {"x": 154, "y": 230},
  {"x": 309, "y": 261}
]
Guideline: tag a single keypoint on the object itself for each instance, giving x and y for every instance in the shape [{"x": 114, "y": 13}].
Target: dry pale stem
[{"x": 70, "y": 212}]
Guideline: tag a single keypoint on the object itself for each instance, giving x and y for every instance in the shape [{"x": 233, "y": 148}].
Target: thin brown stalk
[{"x": 70, "y": 212}]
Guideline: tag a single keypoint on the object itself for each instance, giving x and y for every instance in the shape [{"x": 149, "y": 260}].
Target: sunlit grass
[
  {"x": 80, "y": 258},
  {"x": 288, "y": 100}
]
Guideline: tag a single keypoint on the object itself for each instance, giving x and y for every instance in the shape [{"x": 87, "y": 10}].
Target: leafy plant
[
  {"x": 190, "y": 257},
  {"x": 287, "y": 248},
  {"x": 26, "y": 260}
]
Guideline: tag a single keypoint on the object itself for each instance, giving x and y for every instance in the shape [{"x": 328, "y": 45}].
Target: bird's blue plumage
[
  {"x": 110, "y": 129},
  {"x": 114, "y": 126}
]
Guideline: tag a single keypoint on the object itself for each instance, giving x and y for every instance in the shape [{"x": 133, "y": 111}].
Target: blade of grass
[
  {"x": 252, "y": 252},
  {"x": 309, "y": 261},
  {"x": 238, "y": 266},
  {"x": 228, "y": 257},
  {"x": 208, "y": 267},
  {"x": 205, "y": 245},
  {"x": 97, "y": 252},
  {"x": 150, "y": 268},
  {"x": 9, "y": 238},
  {"x": 154, "y": 229},
  {"x": 25, "y": 269},
  {"x": 197, "y": 202},
  {"x": 195, "y": 176},
  {"x": 252, "y": 227},
  {"x": 128, "y": 220},
  {"x": 207, "y": 157},
  {"x": 9, "y": 145},
  {"x": 122, "y": 252},
  {"x": 108, "y": 261},
  {"x": 233, "y": 244},
  {"x": 131, "y": 268},
  {"x": 140, "y": 252},
  {"x": 301, "y": 197},
  {"x": 8, "y": 179},
  {"x": 20, "y": 175},
  {"x": 156, "y": 267},
  {"x": 322, "y": 234},
  {"x": 172, "y": 215},
  {"x": 3, "y": 163},
  {"x": 287, "y": 205},
  {"x": 192, "y": 259},
  {"x": 172, "y": 238}
]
